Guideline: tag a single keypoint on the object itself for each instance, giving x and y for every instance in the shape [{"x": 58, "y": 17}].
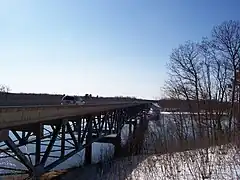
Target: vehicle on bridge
[{"x": 72, "y": 100}]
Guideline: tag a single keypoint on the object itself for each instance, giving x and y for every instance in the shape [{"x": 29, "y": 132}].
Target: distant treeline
[{"x": 194, "y": 105}]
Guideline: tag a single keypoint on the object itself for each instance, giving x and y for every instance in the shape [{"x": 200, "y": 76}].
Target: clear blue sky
[{"x": 104, "y": 47}]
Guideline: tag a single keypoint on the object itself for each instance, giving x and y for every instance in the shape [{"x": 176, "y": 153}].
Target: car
[{"x": 72, "y": 100}]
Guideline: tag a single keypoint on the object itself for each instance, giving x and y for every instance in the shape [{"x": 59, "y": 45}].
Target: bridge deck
[{"x": 16, "y": 116}]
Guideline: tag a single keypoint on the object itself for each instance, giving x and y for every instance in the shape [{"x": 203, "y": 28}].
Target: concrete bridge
[{"x": 83, "y": 124}]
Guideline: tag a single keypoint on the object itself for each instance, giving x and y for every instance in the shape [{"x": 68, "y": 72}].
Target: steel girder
[{"x": 64, "y": 136}]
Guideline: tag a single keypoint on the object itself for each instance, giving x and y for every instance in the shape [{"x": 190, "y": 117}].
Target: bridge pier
[
  {"x": 137, "y": 128},
  {"x": 118, "y": 146},
  {"x": 130, "y": 128},
  {"x": 116, "y": 141},
  {"x": 88, "y": 149},
  {"x": 135, "y": 139},
  {"x": 4, "y": 135}
]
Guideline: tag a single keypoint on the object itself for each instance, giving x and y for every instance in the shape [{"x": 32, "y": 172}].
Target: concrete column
[
  {"x": 88, "y": 149},
  {"x": 130, "y": 127},
  {"x": 4, "y": 135},
  {"x": 118, "y": 146},
  {"x": 134, "y": 122}
]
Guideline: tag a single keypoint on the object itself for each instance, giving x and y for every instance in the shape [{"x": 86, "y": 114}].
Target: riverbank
[{"x": 196, "y": 160}]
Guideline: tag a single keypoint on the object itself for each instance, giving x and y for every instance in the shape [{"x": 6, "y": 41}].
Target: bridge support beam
[
  {"x": 116, "y": 141},
  {"x": 88, "y": 149},
  {"x": 118, "y": 146},
  {"x": 60, "y": 139},
  {"x": 136, "y": 137},
  {"x": 4, "y": 135}
]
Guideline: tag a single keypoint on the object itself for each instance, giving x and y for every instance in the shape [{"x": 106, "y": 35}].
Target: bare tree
[
  {"x": 226, "y": 41},
  {"x": 203, "y": 71},
  {"x": 205, "y": 75},
  {"x": 188, "y": 80},
  {"x": 4, "y": 90}
]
